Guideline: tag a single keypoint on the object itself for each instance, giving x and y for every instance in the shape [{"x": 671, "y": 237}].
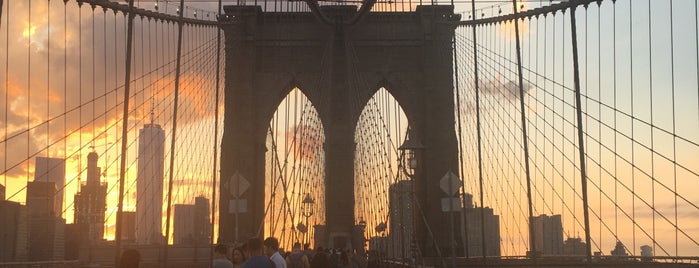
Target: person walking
[
  {"x": 272, "y": 251},
  {"x": 238, "y": 257},
  {"x": 320, "y": 259},
  {"x": 258, "y": 258},
  {"x": 220, "y": 260},
  {"x": 297, "y": 258}
]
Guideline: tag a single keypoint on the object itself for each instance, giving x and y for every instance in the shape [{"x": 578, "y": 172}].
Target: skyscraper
[
  {"x": 9, "y": 220},
  {"x": 149, "y": 182},
  {"x": 548, "y": 234},
  {"x": 183, "y": 227},
  {"x": 202, "y": 222},
  {"x": 474, "y": 230},
  {"x": 128, "y": 225},
  {"x": 191, "y": 225},
  {"x": 91, "y": 203},
  {"x": 45, "y": 228},
  {"x": 48, "y": 169},
  {"x": 401, "y": 219}
]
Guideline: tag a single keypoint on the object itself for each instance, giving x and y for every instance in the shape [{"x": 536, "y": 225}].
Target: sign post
[
  {"x": 237, "y": 186},
  {"x": 450, "y": 184}
]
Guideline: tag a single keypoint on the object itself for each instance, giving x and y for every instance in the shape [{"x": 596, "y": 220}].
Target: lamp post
[
  {"x": 409, "y": 164},
  {"x": 381, "y": 230},
  {"x": 408, "y": 154},
  {"x": 307, "y": 211}
]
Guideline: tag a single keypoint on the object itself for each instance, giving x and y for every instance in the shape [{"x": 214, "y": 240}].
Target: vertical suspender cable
[
  {"x": 525, "y": 139},
  {"x": 124, "y": 133},
  {"x": 180, "y": 24},
  {"x": 213, "y": 172},
  {"x": 478, "y": 126},
  {"x": 581, "y": 148},
  {"x": 464, "y": 233}
]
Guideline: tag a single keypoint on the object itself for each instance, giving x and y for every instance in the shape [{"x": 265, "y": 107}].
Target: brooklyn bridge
[{"x": 403, "y": 133}]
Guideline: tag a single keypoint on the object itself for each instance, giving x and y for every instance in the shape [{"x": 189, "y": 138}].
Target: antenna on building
[{"x": 152, "y": 111}]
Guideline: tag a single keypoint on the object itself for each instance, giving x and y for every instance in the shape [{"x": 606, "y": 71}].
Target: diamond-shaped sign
[
  {"x": 450, "y": 183},
  {"x": 238, "y": 185}
]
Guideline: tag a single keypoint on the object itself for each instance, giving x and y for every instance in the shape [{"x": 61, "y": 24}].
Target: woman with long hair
[{"x": 238, "y": 258}]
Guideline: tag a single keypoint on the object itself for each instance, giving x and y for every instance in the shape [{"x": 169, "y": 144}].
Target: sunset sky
[{"x": 62, "y": 75}]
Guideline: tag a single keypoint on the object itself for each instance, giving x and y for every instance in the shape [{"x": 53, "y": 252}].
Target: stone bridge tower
[{"x": 338, "y": 66}]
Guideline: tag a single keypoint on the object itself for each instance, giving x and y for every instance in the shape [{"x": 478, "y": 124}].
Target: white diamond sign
[
  {"x": 238, "y": 185},
  {"x": 450, "y": 183}
]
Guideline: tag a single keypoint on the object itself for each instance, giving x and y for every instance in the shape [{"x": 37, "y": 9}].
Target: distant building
[
  {"x": 183, "y": 227},
  {"x": 400, "y": 205},
  {"x": 475, "y": 234},
  {"x": 191, "y": 224},
  {"x": 45, "y": 228},
  {"x": 73, "y": 237},
  {"x": 10, "y": 221},
  {"x": 128, "y": 226},
  {"x": 48, "y": 169},
  {"x": 574, "y": 247},
  {"x": 2, "y": 192},
  {"x": 646, "y": 253},
  {"x": 202, "y": 221},
  {"x": 548, "y": 234},
  {"x": 149, "y": 184},
  {"x": 91, "y": 204},
  {"x": 619, "y": 250}
]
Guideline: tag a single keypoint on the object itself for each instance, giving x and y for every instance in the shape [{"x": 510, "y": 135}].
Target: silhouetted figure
[
  {"x": 320, "y": 259},
  {"x": 220, "y": 260},
  {"x": 257, "y": 259},
  {"x": 272, "y": 251},
  {"x": 130, "y": 259},
  {"x": 238, "y": 257},
  {"x": 297, "y": 258}
]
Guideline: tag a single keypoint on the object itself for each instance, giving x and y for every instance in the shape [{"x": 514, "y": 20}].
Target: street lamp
[
  {"x": 408, "y": 153},
  {"x": 409, "y": 164},
  {"x": 307, "y": 211},
  {"x": 381, "y": 230}
]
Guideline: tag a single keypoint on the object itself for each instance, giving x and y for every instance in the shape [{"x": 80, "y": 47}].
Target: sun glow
[{"x": 29, "y": 31}]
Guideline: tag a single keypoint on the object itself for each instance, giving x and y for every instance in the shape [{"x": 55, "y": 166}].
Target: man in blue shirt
[
  {"x": 257, "y": 259},
  {"x": 272, "y": 251}
]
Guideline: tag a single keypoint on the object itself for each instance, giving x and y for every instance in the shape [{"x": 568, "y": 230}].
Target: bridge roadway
[
  {"x": 542, "y": 262},
  {"x": 192, "y": 257}
]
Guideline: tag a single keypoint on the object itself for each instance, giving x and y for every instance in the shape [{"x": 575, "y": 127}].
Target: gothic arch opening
[
  {"x": 294, "y": 171},
  {"x": 381, "y": 129}
]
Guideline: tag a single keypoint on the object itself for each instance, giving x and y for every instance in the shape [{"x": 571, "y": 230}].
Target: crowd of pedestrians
[{"x": 267, "y": 254}]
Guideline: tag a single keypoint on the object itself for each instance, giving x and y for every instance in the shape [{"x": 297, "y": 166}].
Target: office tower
[
  {"x": 202, "y": 221},
  {"x": 574, "y": 247},
  {"x": 48, "y": 169},
  {"x": 475, "y": 231},
  {"x": 619, "y": 249},
  {"x": 548, "y": 234},
  {"x": 400, "y": 204},
  {"x": 183, "y": 227},
  {"x": 128, "y": 226},
  {"x": 9, "y": 220},
  {"x": 191, "y": 224},
  {"x": 91, "y": 204},
  {"x": 646, "y": 253},
  {"x": 149, "y": 182},
  {"x": 45, "y": 228}
]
